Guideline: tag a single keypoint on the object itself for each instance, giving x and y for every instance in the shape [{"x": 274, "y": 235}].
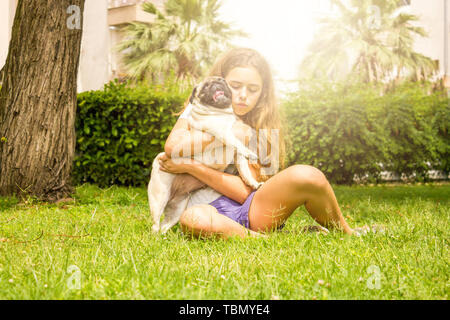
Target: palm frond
[
  {"x": 373, "y": 52},
  {"x": 186, "y": 39}
]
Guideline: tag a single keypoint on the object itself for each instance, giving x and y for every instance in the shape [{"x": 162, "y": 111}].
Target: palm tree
[
  {"x": 184, "y": 40},
  {"x": 370, "y": 39}
]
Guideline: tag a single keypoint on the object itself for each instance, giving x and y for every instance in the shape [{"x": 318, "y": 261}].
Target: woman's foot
[
  {"x": 255, "y": 234},
  {"x": 376, "y": 228},
  {"x": 310, "y": 229}
]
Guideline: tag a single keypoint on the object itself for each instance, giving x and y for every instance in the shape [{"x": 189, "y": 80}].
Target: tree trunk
[{"x": 38, "y": 99}]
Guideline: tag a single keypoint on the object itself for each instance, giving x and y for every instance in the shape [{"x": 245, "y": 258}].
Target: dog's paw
[
  {"x": 164, "y": 229},
  {"x": 251, "y": 156},
  {"x": 155, "y": 228},
  {"x": 256, "y": 185},
  {"x": 247, "y": 154}
]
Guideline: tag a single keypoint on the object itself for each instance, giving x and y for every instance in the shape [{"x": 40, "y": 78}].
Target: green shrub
[
  {"x": 411, "y": 120},
  {"x": 346, "y": 130},
  {"x": 441, "y": 125},
  {"x": 120, "y": 130},
  {"x": 354, "y": 131}
]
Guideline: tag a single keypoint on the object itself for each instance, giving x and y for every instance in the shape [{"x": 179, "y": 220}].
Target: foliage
[
  {"x": 121, "y": 129},
  {"x": 348, "y": 130},
  {"x": 416, "y": 125},
  {"x": 371, "y": 40},
  {"x": 185, "y": 39},
  {"x": 355, "y": 131}
]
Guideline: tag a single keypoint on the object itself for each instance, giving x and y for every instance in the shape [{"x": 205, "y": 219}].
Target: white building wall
[
  {"x": 7, "y": 11},
  {"x": 4, "y": 31},
  {"x": 94, "y": 69},
  {"x": 436, "y": 21}
]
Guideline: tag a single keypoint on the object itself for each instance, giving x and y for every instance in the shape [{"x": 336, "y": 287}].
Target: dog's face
[{"x": 214, "y": 92}]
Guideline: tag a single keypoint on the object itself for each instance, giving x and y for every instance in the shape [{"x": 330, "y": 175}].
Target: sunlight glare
[{"x": 281, "y": 30}]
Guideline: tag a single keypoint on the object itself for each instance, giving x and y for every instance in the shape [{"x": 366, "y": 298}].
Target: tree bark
[{"x": 38, "y": 100}]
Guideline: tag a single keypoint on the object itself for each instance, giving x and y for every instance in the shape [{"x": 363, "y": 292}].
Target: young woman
[{"x": 241, "y": 211}]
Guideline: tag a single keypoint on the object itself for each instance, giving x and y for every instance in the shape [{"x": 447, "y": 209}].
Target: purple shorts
[{"x": 234, "y": 210}]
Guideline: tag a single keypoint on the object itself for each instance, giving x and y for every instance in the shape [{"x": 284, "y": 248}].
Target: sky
[{"x": 280, "y": 30}]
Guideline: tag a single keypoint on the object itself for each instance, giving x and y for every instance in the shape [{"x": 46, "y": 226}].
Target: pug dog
[{"x": 211, "y": 112}]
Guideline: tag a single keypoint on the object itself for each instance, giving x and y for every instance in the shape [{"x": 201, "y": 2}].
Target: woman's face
[{"x": 246, "y": 86}]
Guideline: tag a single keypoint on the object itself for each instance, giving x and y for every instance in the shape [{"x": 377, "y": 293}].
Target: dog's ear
[{"x": 191, "y": 99}]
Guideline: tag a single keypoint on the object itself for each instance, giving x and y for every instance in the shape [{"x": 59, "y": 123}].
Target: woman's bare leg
[
  {"x": 205, "y": 221},
  {"x": 297, "y": 185}
]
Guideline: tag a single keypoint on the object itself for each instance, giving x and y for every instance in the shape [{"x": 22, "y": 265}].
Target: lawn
[{"x": 101, "y": 247}]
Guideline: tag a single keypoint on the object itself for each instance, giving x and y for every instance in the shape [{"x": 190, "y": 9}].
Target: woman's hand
[{"x": 179, "y": 165}]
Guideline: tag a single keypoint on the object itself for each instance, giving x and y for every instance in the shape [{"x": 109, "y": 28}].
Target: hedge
[
  {"x": 347, "y": 130},
  {"x": 120, "y": 130},
  {"x": 355, "y": 131}
]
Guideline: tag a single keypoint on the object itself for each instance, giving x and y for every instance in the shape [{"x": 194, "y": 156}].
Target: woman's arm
[
  {"x": 182, "y": 137},
  {"x": 184, "y": 141},
  {"x": 227, "y": 184}
]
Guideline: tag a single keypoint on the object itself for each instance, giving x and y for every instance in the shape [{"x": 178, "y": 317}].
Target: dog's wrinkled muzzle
[{"x": 217, "y": 95}]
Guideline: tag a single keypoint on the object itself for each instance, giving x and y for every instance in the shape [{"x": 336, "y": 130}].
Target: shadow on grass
[{"x": 8, "y": 202}]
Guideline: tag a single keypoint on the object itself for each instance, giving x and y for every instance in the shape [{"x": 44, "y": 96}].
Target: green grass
[{"x": 106, "y": 235}]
